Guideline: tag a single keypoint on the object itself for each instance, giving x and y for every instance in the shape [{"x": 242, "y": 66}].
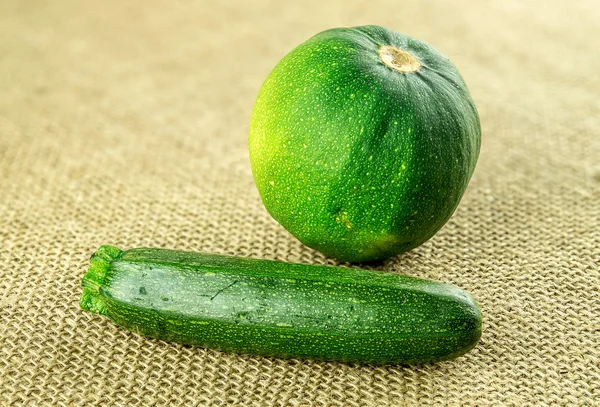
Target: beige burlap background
[{"x": 125, "y": 122}]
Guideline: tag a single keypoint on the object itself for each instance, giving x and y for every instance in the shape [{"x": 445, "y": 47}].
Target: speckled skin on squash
[
  {"x": 281, "y": 309},
  {"x": 357, "y": 159}
]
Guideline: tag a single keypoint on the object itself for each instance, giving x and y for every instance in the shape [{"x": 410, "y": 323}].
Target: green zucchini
[
  {"x": 363, "y": 141},
  {"x": 273, "y": 308}
]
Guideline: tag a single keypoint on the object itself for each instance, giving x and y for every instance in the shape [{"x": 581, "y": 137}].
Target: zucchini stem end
[{"x": 92, "y": 299}]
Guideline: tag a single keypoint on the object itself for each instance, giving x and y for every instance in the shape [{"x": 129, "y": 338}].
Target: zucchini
[
  {"x": 362, "y": 142},
  {"x": 273, "y": 308}
]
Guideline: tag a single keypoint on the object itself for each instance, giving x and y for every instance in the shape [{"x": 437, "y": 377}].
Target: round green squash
[{"x": 362, "y": 142}]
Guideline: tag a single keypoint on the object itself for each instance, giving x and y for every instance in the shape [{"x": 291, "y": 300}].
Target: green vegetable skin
[
  {"x": 362, "y": 142},
  {"x": 281, "y": 309}
]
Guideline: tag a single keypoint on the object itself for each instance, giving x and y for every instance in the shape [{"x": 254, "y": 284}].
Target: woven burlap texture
[{"x": 126, "y": 123}]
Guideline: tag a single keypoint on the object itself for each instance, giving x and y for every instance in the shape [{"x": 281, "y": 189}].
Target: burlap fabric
[{"x": 126, "y": 123}]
